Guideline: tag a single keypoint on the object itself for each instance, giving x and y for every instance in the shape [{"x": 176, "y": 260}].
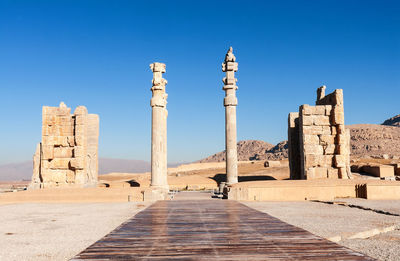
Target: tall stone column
[
  {"x": 229, "y": 66},
  {"x": 159, "y": 128}
]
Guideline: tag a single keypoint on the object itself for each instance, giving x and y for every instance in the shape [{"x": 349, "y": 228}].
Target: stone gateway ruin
[
  {"x": 318, "y": 148},
  {"x": 67, "y": 155},
  {"x": 319, "y": 144}
]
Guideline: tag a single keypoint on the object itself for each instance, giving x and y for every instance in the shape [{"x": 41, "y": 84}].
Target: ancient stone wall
[
  {"x": 319, "y": 144},
  {"x": 67, "y": 155}
]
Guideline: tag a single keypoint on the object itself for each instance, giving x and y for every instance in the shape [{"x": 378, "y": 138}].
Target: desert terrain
[
  {"x": 33, "y": 220},
  {"x": 37, "y": 219}
]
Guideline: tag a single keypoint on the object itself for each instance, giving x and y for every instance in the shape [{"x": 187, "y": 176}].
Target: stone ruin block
[
  {"x": 396, "y": 169},
  {"x": 319, "y": 144},
  {"x": 381, "y": 171},
  {"x": 272, "y": 163},
  {"x": 67, "y": 155}
]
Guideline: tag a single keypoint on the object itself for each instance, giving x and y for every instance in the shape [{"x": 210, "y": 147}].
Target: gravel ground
[
  {"x": 58, "y": 231},
  {"x": 324, "y": 219},
  {"x": 385, "y": 246},
  {"x": 328, "y": 221}
]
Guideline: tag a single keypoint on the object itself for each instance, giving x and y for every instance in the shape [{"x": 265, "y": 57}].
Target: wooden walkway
[{"x": 212, "y": 230}]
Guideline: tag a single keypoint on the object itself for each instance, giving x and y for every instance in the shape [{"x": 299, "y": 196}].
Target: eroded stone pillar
[
  {"x": 229, "y": 66},
  {"x": 159, "y": 128},
  {"x": 92, "y": 163},
  {"x": 35, "y": 183}
]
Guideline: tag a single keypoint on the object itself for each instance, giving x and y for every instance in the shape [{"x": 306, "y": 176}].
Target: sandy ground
[
  {"x": 384, "y": 246},
  {"x": 208, "y": 175},
  {"x": 73, "y": 195},
  {"x": 57, "y": 231},
  {"x": 341, "y": 223},
  {"x": 201, "y": 175}
]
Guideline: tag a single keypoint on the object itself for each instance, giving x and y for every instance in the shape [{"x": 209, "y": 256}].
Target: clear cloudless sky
[{"x": 97, "y": 53}]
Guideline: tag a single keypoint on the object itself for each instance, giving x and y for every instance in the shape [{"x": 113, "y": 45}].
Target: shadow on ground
[
  {"x": 221, "y": 177},
  {"x": 133, "y": 183}
]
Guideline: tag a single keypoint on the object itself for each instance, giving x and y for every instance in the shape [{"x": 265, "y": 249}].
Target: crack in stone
[{"x": 344, "y": 204}]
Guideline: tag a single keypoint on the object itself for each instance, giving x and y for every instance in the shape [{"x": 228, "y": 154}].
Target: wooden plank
[{"x": 212, "y": 230}]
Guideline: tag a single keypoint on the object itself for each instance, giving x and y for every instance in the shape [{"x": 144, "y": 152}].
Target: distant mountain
[
  {"x": 374, "y": 140},
  {"x": 107, "y": 165},
  {"x": 394, "y": 121},
  {"x": 23, "y": 170},
  {"x": 16, "y": 171}
]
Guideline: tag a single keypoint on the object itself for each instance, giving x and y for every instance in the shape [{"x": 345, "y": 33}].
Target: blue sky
[{"x": 97, "y": 54}]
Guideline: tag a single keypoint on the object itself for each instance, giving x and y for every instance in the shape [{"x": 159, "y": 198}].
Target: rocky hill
[
  {"x": 253, "y": 150},
  {"x": 394, "y": 121},
  {"x": 374, "y": 140}
]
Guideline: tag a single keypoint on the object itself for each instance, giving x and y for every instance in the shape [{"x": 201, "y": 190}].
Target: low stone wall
[
  {"x": 383, "y": 191},
  {"x": 201, "y": 166},
  {"x": 200, "y": 186},
  {"x": 379, "y": 171},
  {"x": 63, "y": 195},
  {"x": 299, "y": 190}
]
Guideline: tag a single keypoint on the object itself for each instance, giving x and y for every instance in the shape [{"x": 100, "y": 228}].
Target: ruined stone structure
[
  {"x": 319, "y": 144},
  {"x": 230, "y": 66},
  {"x": 159, "y": 128},
  {"x": 67, "y": 155}
]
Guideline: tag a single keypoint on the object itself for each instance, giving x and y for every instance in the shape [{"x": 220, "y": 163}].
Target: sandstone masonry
[
  {"x": 319, "y": 144},
  {"x": 67, "y": 155}
]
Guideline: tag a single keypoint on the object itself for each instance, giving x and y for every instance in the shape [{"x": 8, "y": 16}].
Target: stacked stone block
[
  {"x": 67, "y": 154},
  {"x": 319, "y": 144}
]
